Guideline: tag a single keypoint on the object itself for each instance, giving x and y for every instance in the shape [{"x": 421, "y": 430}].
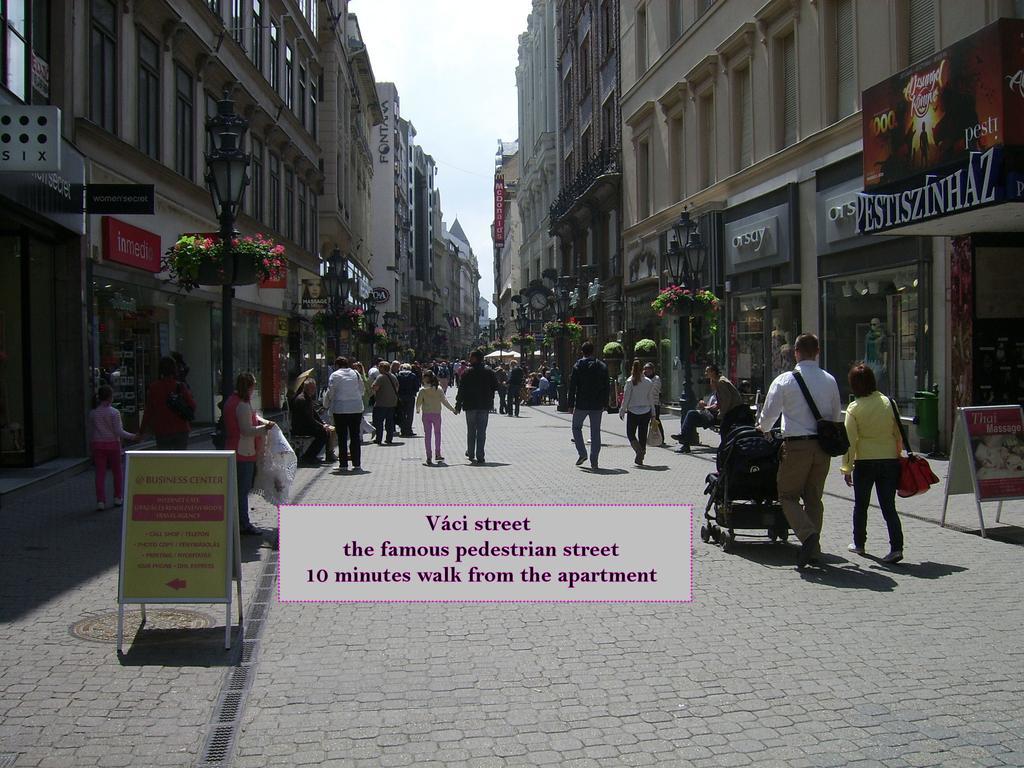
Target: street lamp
[
  {"x": 562, "y": 297},
  {"x": 501, "y": 332},
  {"x": 372, "y": 313},
  {"x": 337, "y": 283},
  {"x": 685, "y": 259},
  {"x": 226, "y": 177}
]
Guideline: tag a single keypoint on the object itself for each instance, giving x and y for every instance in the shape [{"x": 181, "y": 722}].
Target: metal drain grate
[
  {"x": 229, "y": 707},
  {"x": 248, "y": 651},
  {"x": 253, "y": 627},
  {"x": 7, "y": 759},
  {"x": 219, "y": 746},
  {"x": 240, "y": 679}
]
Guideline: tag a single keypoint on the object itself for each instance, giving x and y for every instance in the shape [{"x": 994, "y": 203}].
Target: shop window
[
  {"x": 876, "y": 318},
  {"x": 102, "y": 67}
]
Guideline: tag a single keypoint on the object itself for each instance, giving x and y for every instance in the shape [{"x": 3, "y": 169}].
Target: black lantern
[
  {"x": 500, "y": 324},
  {"x": 226, "y": 177},
  {"x": 685, "y": 258},
  {"x": 372, "y": 313}
]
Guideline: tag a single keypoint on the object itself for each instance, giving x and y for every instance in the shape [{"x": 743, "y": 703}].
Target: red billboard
[
  {"x": 996, "y": 439},
  {"x": 966, "y": 98},
  {"x": 499, "y": 210},
  {"x": 130, "y": 245}
]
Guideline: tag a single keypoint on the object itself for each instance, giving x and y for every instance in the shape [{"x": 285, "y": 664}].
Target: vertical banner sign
[
  {"x": 987, "y": 458},
  {"x": 179, "y": 534},
  {"x": 499, "y": 210}
]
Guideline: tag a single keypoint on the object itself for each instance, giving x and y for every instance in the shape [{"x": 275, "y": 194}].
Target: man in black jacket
[
  {"x": 515, "y": 386},
  {"x": 588, "y": 398},
  {"x": 476, "y": 397},
  {"x": 306, "y": 422}
]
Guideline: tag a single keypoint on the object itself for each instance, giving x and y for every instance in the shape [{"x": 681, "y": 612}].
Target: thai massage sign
[{"x": 966, "y": 98}]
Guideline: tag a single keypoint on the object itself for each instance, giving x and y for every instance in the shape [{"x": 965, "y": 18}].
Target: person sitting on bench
[
  {"x": 306, "y": 422},
  {"x": 723, "y": 399}
]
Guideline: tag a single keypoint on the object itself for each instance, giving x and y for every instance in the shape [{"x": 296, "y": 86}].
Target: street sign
[
  {"x": 380, "y": 295},
  {"x": 29, "y": 138},
  {"x": 179, "y": 533},
  {"x": 120, "y": 198}
]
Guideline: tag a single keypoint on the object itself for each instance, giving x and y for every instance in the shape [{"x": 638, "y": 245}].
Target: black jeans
[
  {"x": 636, "y": 429},
  {"x": 502, "y": 395},
  {"x": 692, "y": 420},
  {"x": 384, "y": 421},
  {"x": 313, "y": 452},
  {"x": 884, "y": 475},
  {"x": 512, "y": 400},
  {"x": 405, "y": 414},
  {"x": 350, "y": 440}
]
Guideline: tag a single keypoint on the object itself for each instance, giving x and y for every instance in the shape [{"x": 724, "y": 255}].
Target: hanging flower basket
[
  {"x": 196, "y": 260},
  {"x": 613, "y": 349},
  {"x": 380, "y": 338},
  {"x": 570, "y": 329},
  {"x": 645, "y": 348},
  {"x": 352, "y": 318},
  {"x": 522, "y": 339},
  {"x": 676, "y": 300}
]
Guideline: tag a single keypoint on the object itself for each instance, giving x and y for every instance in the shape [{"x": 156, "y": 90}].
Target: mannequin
[{"x": 876, "y": 351}]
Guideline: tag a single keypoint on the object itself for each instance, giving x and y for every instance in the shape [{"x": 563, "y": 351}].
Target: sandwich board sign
[
  {"x": 179, "y": 532},
  {"x": 987, "y": 458}
]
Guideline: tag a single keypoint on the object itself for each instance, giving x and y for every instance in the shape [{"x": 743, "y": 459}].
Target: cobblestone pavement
[{"x": 855, "y": 663}]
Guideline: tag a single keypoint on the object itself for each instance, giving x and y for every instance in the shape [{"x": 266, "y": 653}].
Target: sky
[{"x": 454, "y": 64}]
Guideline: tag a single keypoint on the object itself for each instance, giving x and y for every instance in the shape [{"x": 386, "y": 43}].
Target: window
[
  {"x": 313, "y": 224},
  {"x": 567, "y": 97},
  {"x": 744, "y": 118},
  {"x": 256, "y": 47},
  {"x": 302, "y": 96},
  {"x": 184, "y": 123},
  {"x": 787, "y": 65},
  {"x": 586, "y": 150},
  {"x": 608, "y": 123},
  {"x": 238, "y": 22},
  {"x": 584, "y": 67},
  {"x": 677, "y": 148},
  {"x": 920, "y": 29},
  {"x": 214, "y": 6},
  {"x": 149, "y": 96},
  {"x": 641, "y": 40},
  {"x": 643, "y": 179},
  {"x": 289, "y": 83},
  {"x": 312, "y": 108},
  {"x": 707, "y": 140},
  {"x": 14, "y": 55},
  {"x": 703, "y": 6},
  {"x": 289, "y": 203},
  {"x": 846, "y": 73},
  {"x": 275, "y": 192},
  {"x": 567, "y": 173},
  {"x": 256, "y": 188},
  {"x": 608, "y": 28},
  {"x": 103, "y": 64},
  {"x": 302, "y": 215},
  {"x": 275, "y": 58},
  {"x": 675, "y": 19}
]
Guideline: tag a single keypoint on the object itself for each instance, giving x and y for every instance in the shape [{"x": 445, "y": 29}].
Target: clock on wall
[{"x": 538, "y": 299}]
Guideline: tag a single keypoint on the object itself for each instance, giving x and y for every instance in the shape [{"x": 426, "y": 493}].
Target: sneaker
[
  {"x": 440, "y": 457},
  {"x": 100, "y": 506},
  {"x": 429, "y": 462},
  {"x": 855, "y": 549},
  {"x": 118, "y": 502},
  {"x": 893, "y": 557}
]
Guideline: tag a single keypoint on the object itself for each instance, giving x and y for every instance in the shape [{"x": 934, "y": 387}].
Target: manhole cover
[{"x": 102, "y": 628}]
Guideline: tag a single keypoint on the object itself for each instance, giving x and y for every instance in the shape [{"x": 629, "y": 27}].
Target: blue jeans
[
  {"x": 246, "y": 474},
  {"x": 884, "y": 475},
  {"x": 578, "y": 416},
  {"x": 384, "y": 421},
  {"x": 476, "y": 433},
  {"x": 692, "y": 420}
]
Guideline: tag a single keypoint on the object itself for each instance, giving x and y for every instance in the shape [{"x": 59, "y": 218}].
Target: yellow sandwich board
[{"x": 179, "y": 535}]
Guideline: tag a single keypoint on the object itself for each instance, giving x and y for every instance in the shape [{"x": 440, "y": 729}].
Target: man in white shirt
[{"x": 804, "y": 465}]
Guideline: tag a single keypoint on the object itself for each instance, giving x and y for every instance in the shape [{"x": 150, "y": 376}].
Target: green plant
[
  {"x": 613, "y": 349},
  {"x": 570, "y": 328},
  {"x": 525, "y": 339},
  {"x": 380, "y": 336},
  {"x": 184, "y": 259},
  {"x": 645, "y": 347},
  {"x": 675, "y": 298}
]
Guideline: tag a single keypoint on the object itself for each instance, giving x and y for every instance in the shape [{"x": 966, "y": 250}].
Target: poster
[
  {"x": 996, "y": 443},
  {"x": 177, "y": 537}
]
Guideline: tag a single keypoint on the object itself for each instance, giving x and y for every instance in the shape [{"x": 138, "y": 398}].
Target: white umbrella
[{"x": 501, "y": 355}]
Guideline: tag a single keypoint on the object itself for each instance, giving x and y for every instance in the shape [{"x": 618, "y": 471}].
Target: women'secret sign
[{"x": 486, "y": 553}]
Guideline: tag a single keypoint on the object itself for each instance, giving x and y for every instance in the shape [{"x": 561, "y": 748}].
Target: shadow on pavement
[
  {"x": 654, "y": 467},
  {"x": 603, "y": 471},
  {"x": 850, "y": 576},
  {"x": 182, "y": 648},
  {"x": 925, "y": 570}
]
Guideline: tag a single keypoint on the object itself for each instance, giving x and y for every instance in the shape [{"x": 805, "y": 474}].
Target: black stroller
[{"x": 742, "y": 494}]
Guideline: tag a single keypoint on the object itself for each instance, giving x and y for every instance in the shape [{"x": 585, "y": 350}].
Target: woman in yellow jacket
[{"x": 873, "y": 460}]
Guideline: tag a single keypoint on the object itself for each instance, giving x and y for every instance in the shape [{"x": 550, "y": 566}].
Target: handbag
[
  {"x": 916, "y": 474},
  {"x": 832, "y": 435},
  {"x": 655, "y": 435},
  {"x": 179, "y": 406}
]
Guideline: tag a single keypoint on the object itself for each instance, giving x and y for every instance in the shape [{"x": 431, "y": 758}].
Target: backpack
[{"x": 748, "y": 461}]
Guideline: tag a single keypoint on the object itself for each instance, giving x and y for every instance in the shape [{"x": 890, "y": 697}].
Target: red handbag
[{"x": 916, "y": 475}]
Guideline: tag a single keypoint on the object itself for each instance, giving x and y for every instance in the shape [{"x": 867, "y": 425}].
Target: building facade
[
  {"x": 507, "y": 256},
  {"x": 748, "y": 115}
]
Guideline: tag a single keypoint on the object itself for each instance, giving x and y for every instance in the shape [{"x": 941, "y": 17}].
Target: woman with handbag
[
  {"x": 637, "y": 409},
  {"x": 872, "y": 424},
  {"x": 170, "y": 408}
]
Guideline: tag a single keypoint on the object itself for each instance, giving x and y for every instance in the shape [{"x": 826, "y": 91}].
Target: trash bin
[{"x": 926, "y": 414}]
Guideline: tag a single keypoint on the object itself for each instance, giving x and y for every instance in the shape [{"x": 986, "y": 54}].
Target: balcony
[{"x": 603, "y": 167}]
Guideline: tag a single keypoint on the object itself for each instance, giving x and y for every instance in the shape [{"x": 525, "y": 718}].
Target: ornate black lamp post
[
  {"x": 500, "y": 325},
  {"x": 561, "y": 298},
  {"x": 522, "y": 321},
  {"x": 372, "y": 313},
  {"x": 685, "y": 259},
  {"x": 226, "y": 165},
  {"x": 337, "y": 282}
]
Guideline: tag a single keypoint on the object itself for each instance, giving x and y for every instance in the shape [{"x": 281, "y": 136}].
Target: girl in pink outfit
[
  {"x": 105, "y": 435},
  {"x": 429, "y": 401}
]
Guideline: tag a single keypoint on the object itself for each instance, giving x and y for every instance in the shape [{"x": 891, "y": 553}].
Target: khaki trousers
[{"x": 802, "y": 472}]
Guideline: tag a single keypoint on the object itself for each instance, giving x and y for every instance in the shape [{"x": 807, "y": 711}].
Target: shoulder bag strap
[
  {"x": 807, "y": 396},
  {"x": 899, "y": 425}
]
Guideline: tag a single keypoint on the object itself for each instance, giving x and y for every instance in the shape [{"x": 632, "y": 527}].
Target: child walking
[
  {"x": 105, "y": 434},
  {"x": 429, "y": 400}
]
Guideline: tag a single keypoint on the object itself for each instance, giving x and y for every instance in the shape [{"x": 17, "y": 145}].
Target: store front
[
  {"x": 875, "y": 293},
  {"x": 944, "y": 156},
  {"x": 762, "y": 283},
  {"x": 42, "y": 389}
]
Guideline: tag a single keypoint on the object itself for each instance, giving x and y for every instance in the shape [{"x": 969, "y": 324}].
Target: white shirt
[
  {"x": 638, "y": 398},
  {"x": 345, "y": 391},
  {"x": 785, "y": 398}
]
